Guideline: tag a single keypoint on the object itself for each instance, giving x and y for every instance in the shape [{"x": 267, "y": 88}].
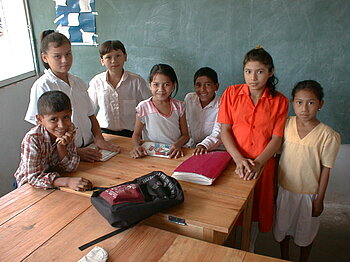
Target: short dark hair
[
  {"x": 52, "y": 102},
  {"x": 208, "y": 72},
  {"x": 50, "y": 36},
  {"x": 110, "y": 45},
  {"x": 259, "y": 54},
  {"x": 310, "y": 85},
  {"x": 167, "y": 70}
]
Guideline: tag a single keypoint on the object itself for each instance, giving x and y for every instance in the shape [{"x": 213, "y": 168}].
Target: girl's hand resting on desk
[
  {"x": 103, "y": 144},
  {"x": 175, "y": 152},
  {"x": 200, "y": 150},
  {"x": 138, "y": 151},
  {"x": 243, "y": 166},
  {"x": 255, "y": 171}
]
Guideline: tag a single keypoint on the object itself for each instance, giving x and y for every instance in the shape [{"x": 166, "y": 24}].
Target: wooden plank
[
  {"x": 19, "y": 200},
  {"x": 140, "y": 243},
  {"x": 144, "y": 244},
  {"x": 251, "y": 257},
  {"x": 27, "y": 231},
  {"x": 187, "y": 249}
]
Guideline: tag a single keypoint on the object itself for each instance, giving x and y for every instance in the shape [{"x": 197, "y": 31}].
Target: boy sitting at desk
[{"x": 49, "y": 147}]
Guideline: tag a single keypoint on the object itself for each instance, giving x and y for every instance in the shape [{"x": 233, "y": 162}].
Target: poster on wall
[{"x": 76, "y": 19}]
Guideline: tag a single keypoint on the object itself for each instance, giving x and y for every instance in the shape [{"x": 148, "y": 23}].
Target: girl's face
[
  {"x": 256, "y": 75},
  {"x": 60, "y": 59},
  {"x": 161, "y": 87},
  {"x": 205, "y": 89},
  {"x": 114, "y": 60},
  {"x": 306, "y": 105}
]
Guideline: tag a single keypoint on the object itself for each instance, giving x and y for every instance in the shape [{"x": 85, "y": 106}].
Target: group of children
[{"x": 250, "y": 121}]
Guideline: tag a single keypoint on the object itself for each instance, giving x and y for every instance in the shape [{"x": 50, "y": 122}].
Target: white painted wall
[
  {"x": 14, "y": 100},
  {"x": 338, "y": 190}
]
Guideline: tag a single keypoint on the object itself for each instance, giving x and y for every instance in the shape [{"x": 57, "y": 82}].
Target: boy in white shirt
[
  {"x": 116, "y": 92},
  {"x": 201, "y": 112}
]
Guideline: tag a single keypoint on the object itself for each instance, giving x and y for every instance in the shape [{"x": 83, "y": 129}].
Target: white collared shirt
[
  {"x": 202, "y": 125},
  {"x": 116, "y": 107},
  {"x": 81, "y": 103}
]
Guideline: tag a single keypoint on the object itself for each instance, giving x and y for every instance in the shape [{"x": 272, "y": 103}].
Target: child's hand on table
[
  {"x": 138, "y": 151},
  {"x": 103, "y": 144},
  {"x": 175, "y": 152},
  {"x": 243, "y": 167},
  {"x": 79, "y": 183},
  {"x": 255, "y": 171},
  {"x": 200, "y": 150},
  {"x": 89, "y": 154}
]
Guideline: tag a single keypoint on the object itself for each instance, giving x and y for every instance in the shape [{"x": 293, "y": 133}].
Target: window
[{"x": 16, "y": 49}]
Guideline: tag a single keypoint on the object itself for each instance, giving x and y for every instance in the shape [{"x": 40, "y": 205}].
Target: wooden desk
[
  {"x": 210, "y": 212},
  {"x": 38, "y": 225}
]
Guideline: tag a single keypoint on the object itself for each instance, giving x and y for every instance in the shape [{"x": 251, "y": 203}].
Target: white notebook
[{"x": 105, "y": 153}]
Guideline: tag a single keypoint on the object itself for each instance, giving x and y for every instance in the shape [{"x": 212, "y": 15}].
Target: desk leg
[
  {"x": 214, "y": 236},
  {"x": 247, "y": 222}
]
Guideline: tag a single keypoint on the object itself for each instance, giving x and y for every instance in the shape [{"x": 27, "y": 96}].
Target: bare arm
[
  {"x": 243, "y": 164},
  {"x": 317, "y": 205},
  {"x": 175, "y": 149},
  {"x": 137, "y": 150},
  {"x": 99, "y": 139},
  {"x": 259, "y": 162}
]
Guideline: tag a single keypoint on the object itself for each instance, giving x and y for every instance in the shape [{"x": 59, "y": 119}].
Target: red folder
[{"x": 202, "y": 169}]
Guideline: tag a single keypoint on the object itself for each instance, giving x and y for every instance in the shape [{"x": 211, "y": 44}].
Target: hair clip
[{"x": 258, "y": 47}]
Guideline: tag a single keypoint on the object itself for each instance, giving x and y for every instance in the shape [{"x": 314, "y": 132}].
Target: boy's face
[
  {"x": 205, "y": 89},
  {"x": 56, "y": 123},
  {"x": 114, "y": 60}
]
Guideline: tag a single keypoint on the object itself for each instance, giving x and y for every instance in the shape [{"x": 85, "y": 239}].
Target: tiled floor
[{"x": 332, "y": 243}]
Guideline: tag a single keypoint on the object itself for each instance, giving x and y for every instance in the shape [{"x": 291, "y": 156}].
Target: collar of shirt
[
  {"x": 54, "y": 78},
  {"x": 245, "y": 91},
  {"x": 213, "y": 103},
  {"x": 122, "y": 79}
]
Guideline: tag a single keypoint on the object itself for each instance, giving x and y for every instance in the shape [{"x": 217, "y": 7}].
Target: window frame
[{"x": 35, "y": 71}]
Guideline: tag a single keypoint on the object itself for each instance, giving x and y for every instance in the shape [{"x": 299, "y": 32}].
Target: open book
[
  {"x": 156, "y": 149},
  {"x": 105, "y": 153},
  {"x": 202, "y": 169}
]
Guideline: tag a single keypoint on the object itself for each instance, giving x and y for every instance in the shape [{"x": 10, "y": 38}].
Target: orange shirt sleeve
[
  {"x": 281, "y": 116},
  {"x": 224, "y": 115}
]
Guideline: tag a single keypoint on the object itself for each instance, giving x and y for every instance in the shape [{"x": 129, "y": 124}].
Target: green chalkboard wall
[{"x": 308, "y": 39}]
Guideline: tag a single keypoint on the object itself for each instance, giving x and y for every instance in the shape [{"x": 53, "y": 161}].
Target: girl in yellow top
[{"x": 309, "y": 151}]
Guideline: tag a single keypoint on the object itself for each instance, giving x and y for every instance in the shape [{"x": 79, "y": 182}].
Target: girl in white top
[
  {"x": 161, "y": 118},
  {"x": 116, "y": 92},
  {"x": 202, "y": 109},
  {"x": 309, "y": 151},
  {"x": 56, "y": 55}
]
